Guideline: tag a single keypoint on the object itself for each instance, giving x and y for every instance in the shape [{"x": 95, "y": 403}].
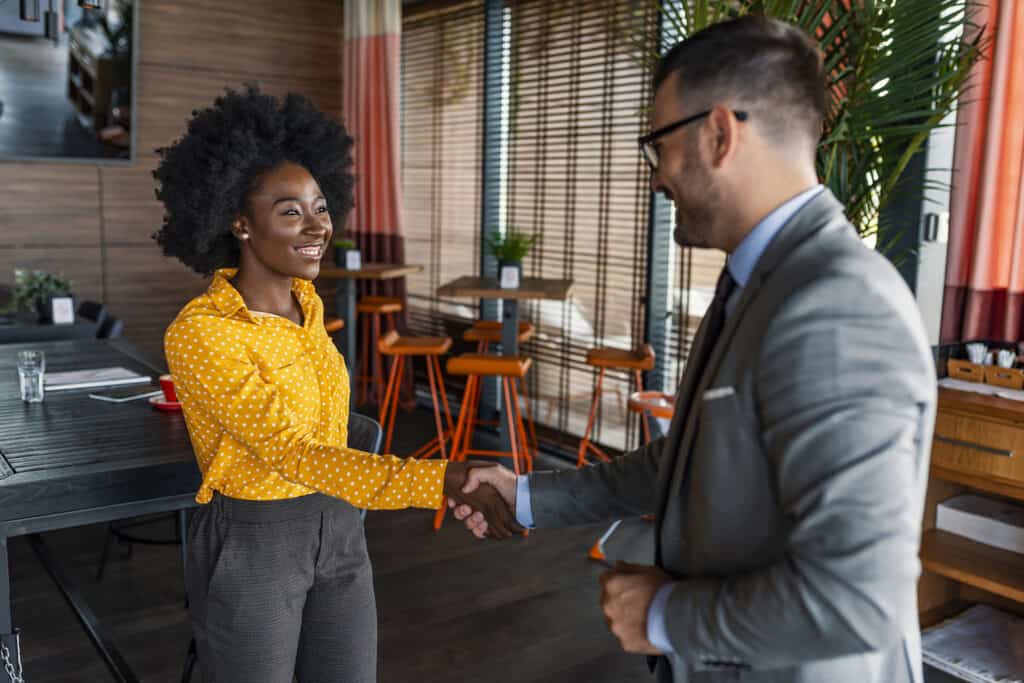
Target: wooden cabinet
[{"x": 979, "y": 447}]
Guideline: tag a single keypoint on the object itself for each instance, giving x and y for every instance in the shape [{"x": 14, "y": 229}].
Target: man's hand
[
  {"x": 462, "y": 486},
  {"x": 502, "y": 479},
  {"x": 627, "y": 592}
]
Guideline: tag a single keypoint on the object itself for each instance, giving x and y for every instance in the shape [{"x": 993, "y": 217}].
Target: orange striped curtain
[
  {"x": 371, "y": 86},
  {"x": 984, "y": 297}
]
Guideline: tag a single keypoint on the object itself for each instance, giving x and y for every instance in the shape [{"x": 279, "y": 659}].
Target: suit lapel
[
  {"x": 820, "y": 211},
  {"x": 683, "y": 403}
]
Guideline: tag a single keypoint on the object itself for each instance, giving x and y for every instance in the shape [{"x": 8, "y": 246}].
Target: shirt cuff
[
  {"x": 656, "y": 633},
  {"x": 524, "y": 513}
]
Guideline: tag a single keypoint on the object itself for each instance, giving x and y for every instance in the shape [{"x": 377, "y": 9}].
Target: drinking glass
[{"x": 31, "y": 372}]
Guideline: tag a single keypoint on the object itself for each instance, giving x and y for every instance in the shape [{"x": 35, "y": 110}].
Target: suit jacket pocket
[{"x": 733, "y": 521}]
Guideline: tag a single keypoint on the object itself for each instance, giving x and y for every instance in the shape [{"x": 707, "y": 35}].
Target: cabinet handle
[{"x": 974, "y": 446}]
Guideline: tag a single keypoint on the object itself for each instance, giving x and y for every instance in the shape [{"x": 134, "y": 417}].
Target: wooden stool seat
[
  {"x": 394, "y": 344},
  {"x": 379, "y": 304},
  {"x": 489, "y": 331},
  {"x": 654, "y": 403},
  {"x": 403, "y": 349},
  {"x": 636, "y": 362},
  {"x": 622, "y": 359},
  {"x": 371, "y": 370},
  {"x": 488, "y": 365},
  {"x": 332, "y": 325}
]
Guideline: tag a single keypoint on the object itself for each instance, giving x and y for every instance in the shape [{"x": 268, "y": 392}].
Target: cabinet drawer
[{"x": 977, "y": 446}]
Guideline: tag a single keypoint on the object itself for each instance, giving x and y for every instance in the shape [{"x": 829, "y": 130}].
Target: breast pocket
[{"x": 733, "y": 509}]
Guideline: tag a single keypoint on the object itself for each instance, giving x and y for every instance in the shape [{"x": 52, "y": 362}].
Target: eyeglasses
[{"x": 646, "y": 142}]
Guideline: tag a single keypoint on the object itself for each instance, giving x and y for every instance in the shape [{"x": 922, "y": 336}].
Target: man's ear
[{"x": 724, "y": 129}]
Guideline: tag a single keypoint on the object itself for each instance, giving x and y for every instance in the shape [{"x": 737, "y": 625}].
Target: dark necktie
[{"x": 716, "y": 318}]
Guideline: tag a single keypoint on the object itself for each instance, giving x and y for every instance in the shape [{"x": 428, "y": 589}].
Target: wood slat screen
[
  {"x": 577, "y": 103},
  {"x": 442, "y": 126}
]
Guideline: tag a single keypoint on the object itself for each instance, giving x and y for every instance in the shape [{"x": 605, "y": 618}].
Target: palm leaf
[{"x": 896, "y": 69}]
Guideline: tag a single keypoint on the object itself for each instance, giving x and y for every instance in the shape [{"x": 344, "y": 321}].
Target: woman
[{"x": 277, "y": 576}]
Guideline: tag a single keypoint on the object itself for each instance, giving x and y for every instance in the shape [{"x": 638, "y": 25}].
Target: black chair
[
  {"x": 93, "y": 311},
  {"x": 111, "y": 328},
  {"x": 364, "y": 434}
]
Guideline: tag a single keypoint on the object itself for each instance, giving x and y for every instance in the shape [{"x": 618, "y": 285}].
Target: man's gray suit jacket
[{"x": 790, "y": 486}]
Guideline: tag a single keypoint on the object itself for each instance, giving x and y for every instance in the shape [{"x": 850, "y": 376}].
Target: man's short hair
[{"x": 770, "y": 67}]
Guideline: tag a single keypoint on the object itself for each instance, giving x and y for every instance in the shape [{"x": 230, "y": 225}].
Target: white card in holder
[
  {"x": 509, "y": 277},
  {"x": 353, "y": 260}
]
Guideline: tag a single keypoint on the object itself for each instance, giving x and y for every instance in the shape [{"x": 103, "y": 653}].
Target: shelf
[
  {"x": 944, "y": 611},
  {"x": 988, "y": 483},
  {"x": 991, "y": 569}
]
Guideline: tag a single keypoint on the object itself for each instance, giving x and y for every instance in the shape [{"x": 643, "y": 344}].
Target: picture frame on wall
[{"x": 61, "y": 309}]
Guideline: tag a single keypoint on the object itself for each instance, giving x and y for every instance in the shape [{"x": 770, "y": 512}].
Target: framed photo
[{"x": 62, "y": 310}]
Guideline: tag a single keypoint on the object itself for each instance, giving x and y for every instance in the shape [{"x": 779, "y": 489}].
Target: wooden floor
[{"x": 452, "y": 609}]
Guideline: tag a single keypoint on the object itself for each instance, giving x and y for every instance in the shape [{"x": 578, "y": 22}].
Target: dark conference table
[
  {"x": 22, "y": 330},
  {"x": 72, "y": 461}
]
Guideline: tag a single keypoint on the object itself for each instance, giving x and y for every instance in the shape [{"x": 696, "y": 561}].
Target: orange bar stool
[
  {"x": 430, "y": 349},
  {"x": 487, "y": 332},
  {"x": 476, "y": 366},
  {"x": 638, "y": 360},
  {"x": 371, "y": 309}
]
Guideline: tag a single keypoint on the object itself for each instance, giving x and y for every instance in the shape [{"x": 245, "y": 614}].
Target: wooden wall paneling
[
  {"x": 168, "y": 96},
  {"x": 146, "y": 290},
  {"x": 264, "y": 39},
  {"x": 131, "y": 211},
  {"x": 48, "y": 204},
  {"x": 82, "y": 264}
]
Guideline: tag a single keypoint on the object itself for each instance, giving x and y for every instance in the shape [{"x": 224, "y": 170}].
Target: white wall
[{"x": 931, "y": 265}]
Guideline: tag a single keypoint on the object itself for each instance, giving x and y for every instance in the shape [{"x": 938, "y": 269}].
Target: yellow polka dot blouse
[{"x": 266, "y": 404}]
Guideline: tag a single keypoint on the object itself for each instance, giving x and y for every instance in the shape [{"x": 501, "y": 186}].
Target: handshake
[{"x": 483, "y": 495}]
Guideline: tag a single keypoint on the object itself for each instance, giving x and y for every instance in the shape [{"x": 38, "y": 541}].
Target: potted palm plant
[
  {"x": 896, "y": 69},
  {"x": 510, "y": 250},
  {"x": 34, "y": 290},
  {"x": 346, "y": 254}
]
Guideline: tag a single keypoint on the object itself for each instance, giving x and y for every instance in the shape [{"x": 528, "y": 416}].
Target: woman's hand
[{"x": 501, "y": 519}]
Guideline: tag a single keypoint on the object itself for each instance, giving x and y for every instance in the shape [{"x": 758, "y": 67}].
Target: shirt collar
[
  {"x": 229, "y": 302},
  {"x": 743, "y": 260}
]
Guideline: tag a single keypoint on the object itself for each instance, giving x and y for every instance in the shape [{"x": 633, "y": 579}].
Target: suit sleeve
[
  {"x": 622, "y": 488},
  {"x": 845, "y": 388}
]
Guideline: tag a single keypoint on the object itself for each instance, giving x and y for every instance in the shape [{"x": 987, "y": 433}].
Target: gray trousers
[{"x": 281, "y": 588}]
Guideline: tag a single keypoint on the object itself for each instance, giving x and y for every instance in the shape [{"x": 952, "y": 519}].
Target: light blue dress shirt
[{"x": 741, "y": 264}]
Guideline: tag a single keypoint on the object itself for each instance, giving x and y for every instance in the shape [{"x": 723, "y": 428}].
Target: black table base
[{"x": 32, "y": 527}]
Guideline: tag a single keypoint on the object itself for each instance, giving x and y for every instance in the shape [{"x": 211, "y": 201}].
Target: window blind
[
  {"x": 576, "y": 104},
  {"x": 442, "y": 101}
]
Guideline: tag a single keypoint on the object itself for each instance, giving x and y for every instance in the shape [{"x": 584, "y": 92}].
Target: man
[{"x": 789, "y": 488}]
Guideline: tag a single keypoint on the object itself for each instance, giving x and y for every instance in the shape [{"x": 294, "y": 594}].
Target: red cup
[{"x": 167, "y": 385}]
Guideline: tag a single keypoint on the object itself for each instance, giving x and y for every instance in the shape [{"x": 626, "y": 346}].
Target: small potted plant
[
  {"x": 346, "y": 254},
  {"x": 34, "y": 290},
  {"x": 510, "y": 250}
]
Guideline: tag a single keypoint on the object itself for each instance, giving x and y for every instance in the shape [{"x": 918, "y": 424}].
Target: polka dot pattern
[{"x": 266, "y": 403}]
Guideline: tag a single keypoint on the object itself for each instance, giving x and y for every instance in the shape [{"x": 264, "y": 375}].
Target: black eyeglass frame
[{"x": 645, "y": 142}]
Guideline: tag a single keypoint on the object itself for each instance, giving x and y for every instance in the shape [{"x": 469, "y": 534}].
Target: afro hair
[{"x": 206, "y": 177}]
